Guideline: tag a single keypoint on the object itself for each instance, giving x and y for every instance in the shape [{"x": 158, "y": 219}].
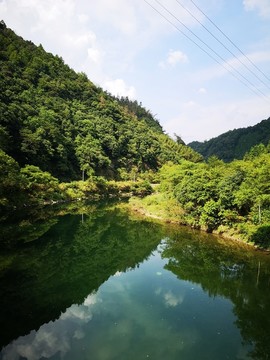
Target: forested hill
[
  {"x": 58, "y": 120},
  {"x": 236, "y": 143}
]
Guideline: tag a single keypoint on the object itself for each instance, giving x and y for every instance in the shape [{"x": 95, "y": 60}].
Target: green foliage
[
  {"x": 262, "y": 236},
  {"x": 9, "y": 181},
  {"x": 141, "y": 113},
  {"x": 158, "y": 205},
  {"x": 176, "y": 152},
  {"x": 40, "y": 186},
  {"x": 236, "y": 143},
  {"x": 210, "y": 215},
  {"x": 56, "y": 125},
  {"x": 171, "y": 175},
  {"x": 71, "y": 255},
  {"x": 62, "y": 123},
  {"x": 218, "y": 197}
]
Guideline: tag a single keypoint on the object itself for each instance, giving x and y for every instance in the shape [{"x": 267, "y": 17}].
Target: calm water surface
[{"x": 94, "y": 282}]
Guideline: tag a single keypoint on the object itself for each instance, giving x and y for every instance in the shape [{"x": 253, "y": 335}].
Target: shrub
[{"x": 262, "y": 237}]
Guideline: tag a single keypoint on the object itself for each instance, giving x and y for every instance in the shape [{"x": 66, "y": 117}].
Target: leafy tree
[
  {"x": 90, "y": 154},
  {"x": 39, "y": 186},
  {"x": 10, "y": 180},
  {"x": 60, "y": 123},
  {"x": 210, "y": 216}
]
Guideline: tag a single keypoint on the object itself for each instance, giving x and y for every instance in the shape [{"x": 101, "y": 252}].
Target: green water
[{"x": 93, "y": 282}]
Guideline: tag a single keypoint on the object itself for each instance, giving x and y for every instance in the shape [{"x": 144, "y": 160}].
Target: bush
[
  {"x": 262, "y": 237},
  {"x": 141, "y": 188}
]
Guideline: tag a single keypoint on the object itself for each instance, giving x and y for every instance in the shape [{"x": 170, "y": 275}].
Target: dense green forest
[
  {"x": 56, "y": 125},
  {"x": 64, "y": 138},
  {"x": 235, "y": 143},
  {"x": 232, "y": 199}
]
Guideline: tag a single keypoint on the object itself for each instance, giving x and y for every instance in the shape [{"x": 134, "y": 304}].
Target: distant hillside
[
  {"x": 58, "y": 120},
  {"x": 235, "y": 143}
]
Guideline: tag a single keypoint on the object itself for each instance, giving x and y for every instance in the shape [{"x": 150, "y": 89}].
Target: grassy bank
[
  {"x": 158, "y": 206},
  {"x": 39, "y": 188},
  {"x": 161, "y": 206}
]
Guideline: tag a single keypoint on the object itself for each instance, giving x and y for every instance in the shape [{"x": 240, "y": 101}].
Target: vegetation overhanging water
[{"x": 91, "y": 280}]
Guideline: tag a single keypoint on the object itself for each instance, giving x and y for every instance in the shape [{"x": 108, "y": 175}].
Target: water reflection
[
  {"x": 98, "y": 289},
  {"x": 41, "y": 279},
  {"x": 234, "y": 272},
  {"x": 141, "y": 313},
  {"x": 55, "y": 337}
]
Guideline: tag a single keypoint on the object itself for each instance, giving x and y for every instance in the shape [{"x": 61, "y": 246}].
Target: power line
[
  {"x": 177, "y": 28},
  {"x": 218, "y": 28},
  {"x": 255, "y": 91},
  {"x": 220, "y": 42},
  {"x": 201, "y": 48},
  {"x": 213, "y": 51}
]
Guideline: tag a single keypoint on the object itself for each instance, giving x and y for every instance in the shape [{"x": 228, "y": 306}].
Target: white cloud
[
  {"x": 201, "y": 122},
  {"x": 84, "y": 39},
  {"x": 118, "y": 87},
  {"x": 173, "y": 58},
  {"x": 80, "y": 312},
  {"x": 237, "y": 66},
  {"x": 91, "y": 299},
  {"x": 44, "y": 343},
  {"x": 262, "y": 6},
  {"x": 45, "y": 14},
  {"x": 77, "y": 312},
  {"x": 69, "y": 28},
  {"x": 79, "y": 334},
  {"x": 118, "y": 273},
  {"x": 260, "y": 56},
  {"x": 83, "y": 18},
  {"x": 118, "y": 13},
  {"x": 202, "y": 90},
  {"x": 94, "y": 55},
  {"x": 190, "y": 104},
  {"x": 172, "y": 300},
  {"x": 55, "y": 336},
  {"x": 116, "y": 43}
]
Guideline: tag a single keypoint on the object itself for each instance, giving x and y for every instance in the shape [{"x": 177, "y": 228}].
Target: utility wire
[
  {"x": 211, "y": 49},
  {"x": 218, "y": 28},
  {"x": 177, "y": 28},
  {"x": 200, "y": 47},
  {"x": 220, "y": 42},
  {"x": 257, "y": 91}
]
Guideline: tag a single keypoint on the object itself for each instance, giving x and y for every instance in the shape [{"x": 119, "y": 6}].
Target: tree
[
  {"x": 90, "y": 155},
  {"x": 10, "y": 180},
  {"x": 179, "y": 139},
  {"x": 39, "y": 186}
]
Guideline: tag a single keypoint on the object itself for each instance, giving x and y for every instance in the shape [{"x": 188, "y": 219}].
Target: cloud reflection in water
[{"x": 54, "y": 337}]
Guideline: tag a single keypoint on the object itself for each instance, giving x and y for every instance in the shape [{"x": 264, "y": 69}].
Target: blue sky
[{"x": 128, "y": 48}]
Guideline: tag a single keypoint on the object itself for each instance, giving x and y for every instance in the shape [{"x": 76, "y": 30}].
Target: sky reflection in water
[
  {"x": 145, "y": 313},
  {"x": 108, "y": 288}
]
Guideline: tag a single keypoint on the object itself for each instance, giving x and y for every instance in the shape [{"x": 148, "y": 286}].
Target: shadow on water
[
  {"x": 72, "y": 255},
  {"x": 54, "y": 259},
  {"x": 231, "y": 270},
  {"x": 262, "y": 237}
]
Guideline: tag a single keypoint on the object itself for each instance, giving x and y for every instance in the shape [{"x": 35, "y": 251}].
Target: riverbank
[
  {"x": 41, "y": 193},
  {"x": 161, "y": 207}
]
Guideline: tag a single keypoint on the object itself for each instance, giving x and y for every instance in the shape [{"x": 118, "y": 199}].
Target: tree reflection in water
[
  {"x": 225, "y": 268},
  {"x": 73, "y": 252}
]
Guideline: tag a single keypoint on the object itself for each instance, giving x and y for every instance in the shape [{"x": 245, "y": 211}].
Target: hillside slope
[
  {"x": 58, "y": 120},
  {"x": 236, "y": 143}
]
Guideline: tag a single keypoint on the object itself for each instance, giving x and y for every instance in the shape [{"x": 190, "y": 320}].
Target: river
[{"x": 93, "y": 281}]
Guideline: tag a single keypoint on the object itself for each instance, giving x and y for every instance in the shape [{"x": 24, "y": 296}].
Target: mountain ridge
[
  {"x": 58, "y": 120},
  {"x": 234, "y": 144}
]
